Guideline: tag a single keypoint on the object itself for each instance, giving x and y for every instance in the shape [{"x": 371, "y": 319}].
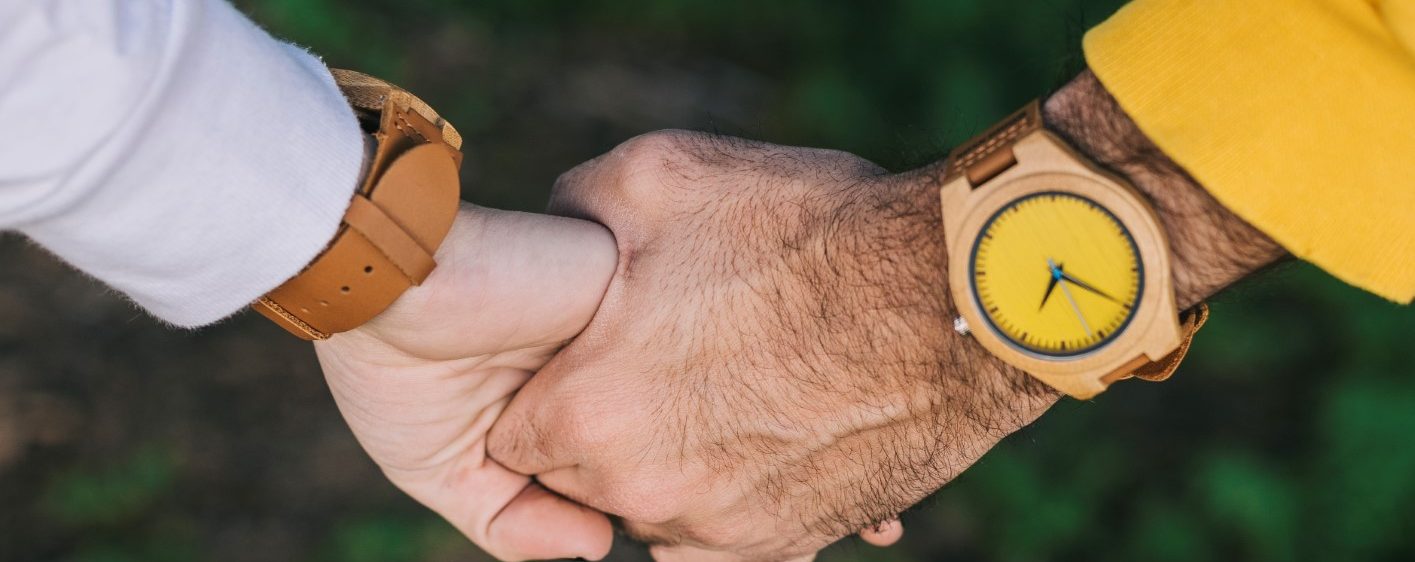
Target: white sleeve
[{"x": 170, "y": 148}]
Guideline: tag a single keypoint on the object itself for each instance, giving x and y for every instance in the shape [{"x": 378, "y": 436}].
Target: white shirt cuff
[{"x": 224, "y": 175}]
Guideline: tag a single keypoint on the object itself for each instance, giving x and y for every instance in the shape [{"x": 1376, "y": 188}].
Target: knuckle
[
  {"x": 857, "y": 164},
  {"x": 842, "y": 163},
  {"x": 530, "y": 441},
  {"x": 652, "y": 171},
  {"x": 656, "y": 146},
  {"x": 509, "y": 441}
]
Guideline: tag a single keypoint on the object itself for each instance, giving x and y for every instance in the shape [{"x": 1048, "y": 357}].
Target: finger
[
  {"x": 576, "y": 428},
  {"x": 884, "y": 534},
  {"x": 565, "y": 414},
  {"x": 507, "y": 515},
  {"x": 568, "y": 196},
  {"x": 531, "y": 435},
  {"x": 662, "y": 553}
]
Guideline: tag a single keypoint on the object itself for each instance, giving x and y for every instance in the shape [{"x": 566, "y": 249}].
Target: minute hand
[{"x": 1087, "y": 286}]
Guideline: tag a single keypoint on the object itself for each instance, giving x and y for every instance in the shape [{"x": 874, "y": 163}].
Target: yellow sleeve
[{"x": 1298, "y": 115}]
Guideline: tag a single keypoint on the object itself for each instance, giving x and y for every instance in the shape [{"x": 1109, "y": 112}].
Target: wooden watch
[
  {"x": 1058, "y": 267},
  {"x": 395, "y": 222}
]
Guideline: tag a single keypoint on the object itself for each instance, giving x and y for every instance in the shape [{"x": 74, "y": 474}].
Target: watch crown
[{"x": 961, "y": 326}]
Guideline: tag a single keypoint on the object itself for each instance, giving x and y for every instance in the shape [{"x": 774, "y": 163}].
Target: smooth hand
[
  {"x": 773, "y": 366},
  {"x": 422, "y": 384}
]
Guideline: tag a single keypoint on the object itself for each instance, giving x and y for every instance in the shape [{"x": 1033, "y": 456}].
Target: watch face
[{"x": 1056, "y": 274}]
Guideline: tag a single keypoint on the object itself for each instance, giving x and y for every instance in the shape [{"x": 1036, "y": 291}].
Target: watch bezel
[{"x": 1046, "y": 164}]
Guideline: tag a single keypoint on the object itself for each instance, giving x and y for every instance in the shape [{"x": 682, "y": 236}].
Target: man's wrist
[
  {"x": 899, "y": 229},
  {"x": 898, "y": 232},
  {"x": 1210, "y": 247}
]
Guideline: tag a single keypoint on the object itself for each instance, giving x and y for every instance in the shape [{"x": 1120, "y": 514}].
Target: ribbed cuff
[{"x": 1294, "y": 114}]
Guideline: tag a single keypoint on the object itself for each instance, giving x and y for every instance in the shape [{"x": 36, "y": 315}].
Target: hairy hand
[
  {"x": 421, "y": 384},
  {"x": 772, "y": 367}
]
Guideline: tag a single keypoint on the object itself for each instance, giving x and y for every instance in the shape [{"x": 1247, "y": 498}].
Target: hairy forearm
[
  {"x": 902, "y": 232},
  {"x": 1210, "y": 247}
]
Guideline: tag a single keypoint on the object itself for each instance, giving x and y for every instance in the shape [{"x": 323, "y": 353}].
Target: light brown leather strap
[
  {"x": 1189, "y": 323},
  {"x": 985, "y": 156},
  {"x": 394, "y": 224},
  {"x": 988, "y": 154}
]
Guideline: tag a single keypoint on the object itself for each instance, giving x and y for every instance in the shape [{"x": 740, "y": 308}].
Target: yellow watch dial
[{"x": 1056, "y": 274}]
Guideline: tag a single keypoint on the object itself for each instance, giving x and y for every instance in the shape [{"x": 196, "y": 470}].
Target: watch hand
[
  {"x": 1080, "y": 316},
  {"x": 1054, "y": 270},
  {"x": 1082, "y": 284},
  {"x": 1050, "y": 285}
]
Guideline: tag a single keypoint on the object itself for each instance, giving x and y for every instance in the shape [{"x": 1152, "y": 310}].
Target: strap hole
[
  {"x": 344, "y": 289},
  {"x": 368, "y": 270}
]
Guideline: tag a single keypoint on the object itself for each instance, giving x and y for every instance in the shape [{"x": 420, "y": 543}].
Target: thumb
[
  {"x": 508, "y": 515},
  {"x": 504, "y": 280},
  {"x": 538, "y": 524}
]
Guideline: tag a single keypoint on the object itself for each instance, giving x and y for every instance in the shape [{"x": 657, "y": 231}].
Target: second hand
[{"x": 1067, "y": 291}]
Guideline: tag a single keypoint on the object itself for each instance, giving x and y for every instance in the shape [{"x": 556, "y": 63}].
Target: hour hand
[{"x": 1051, "y": 285}]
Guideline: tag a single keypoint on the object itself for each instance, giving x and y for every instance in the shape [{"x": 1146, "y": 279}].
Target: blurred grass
[{"x": 1287, "y": 435}]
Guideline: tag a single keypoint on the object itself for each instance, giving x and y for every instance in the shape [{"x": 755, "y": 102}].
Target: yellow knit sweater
[{"x": 1298, "y": 115}]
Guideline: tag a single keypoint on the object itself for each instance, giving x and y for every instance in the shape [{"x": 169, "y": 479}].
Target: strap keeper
[{"x": 367, "y": 219}]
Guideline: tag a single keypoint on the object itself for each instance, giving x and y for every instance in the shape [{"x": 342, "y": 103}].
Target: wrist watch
[
  {"x": 1059, "y": 268},
  {"x": 396, "y": 220}
]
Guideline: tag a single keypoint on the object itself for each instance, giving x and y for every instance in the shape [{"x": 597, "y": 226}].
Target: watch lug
[
  {"x": 1164, "y": 332},
  {"x": 954, "y": 198},
  {"x": 1044, "y": 147},
  {"x": 1080, "y": 388}
]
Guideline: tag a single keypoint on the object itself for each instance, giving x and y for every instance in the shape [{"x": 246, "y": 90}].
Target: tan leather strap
[
  {"x": 985, "y": 156},
  {"x": 394, "y": 224},
  {"x": 1189, "y": 323},
  {"x": 988, "y": 154}
]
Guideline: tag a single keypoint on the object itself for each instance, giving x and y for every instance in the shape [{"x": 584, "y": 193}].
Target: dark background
[{"x": 1286, "y": 436}]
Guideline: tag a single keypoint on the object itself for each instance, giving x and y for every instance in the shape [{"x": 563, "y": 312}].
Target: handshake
[{"x": 735, "y": 350}]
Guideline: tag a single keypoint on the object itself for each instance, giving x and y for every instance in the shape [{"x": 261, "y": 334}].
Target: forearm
[
  {"x": 173, "y": 150},
  {"x": 1210, "y": 247},
  {"x": 897, "y": 237}
]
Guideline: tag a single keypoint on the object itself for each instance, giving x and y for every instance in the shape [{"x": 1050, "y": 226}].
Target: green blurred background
[{"x": 1287, "y": 436}]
